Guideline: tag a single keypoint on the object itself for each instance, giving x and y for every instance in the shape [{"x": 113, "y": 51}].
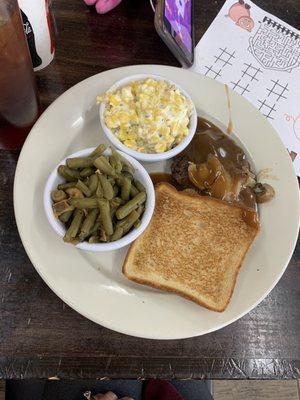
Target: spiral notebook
[{"x": 258, "y": 56}]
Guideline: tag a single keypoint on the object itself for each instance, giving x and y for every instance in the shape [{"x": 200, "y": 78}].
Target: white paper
[{"x": 258, "y": 56}]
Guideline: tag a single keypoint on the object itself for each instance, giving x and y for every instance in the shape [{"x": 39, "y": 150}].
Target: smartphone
[{"x": 174, "y": 22}]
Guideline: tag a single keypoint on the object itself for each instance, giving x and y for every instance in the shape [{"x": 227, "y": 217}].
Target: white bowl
[
  {"x": 148, "y": 157},
  {"x": 140, "y": 173}
]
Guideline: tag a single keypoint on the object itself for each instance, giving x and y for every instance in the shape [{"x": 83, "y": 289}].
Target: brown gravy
[
  {"x": 250, "y": 217},
  {"x": 230, "y": 124},
  {"x": 158, "y": 177},
  {"x": 210, "y": 141}
]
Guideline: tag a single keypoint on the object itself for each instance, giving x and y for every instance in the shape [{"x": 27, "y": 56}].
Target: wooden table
[{"x": 42, "y": 337}]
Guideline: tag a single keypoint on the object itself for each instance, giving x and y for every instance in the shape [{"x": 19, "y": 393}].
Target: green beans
[
  {"x": 86, "y": 172},
  {"x": 114, "y": 204},
  {"x": 128, "y": 175},
  {"x": 94, "y": 239},
  {"x": 64, "y": 186},
  {"x": 126, "y": 167},
  {"x": 116, "y": 161},
  {"x": 133, "y": 190},
  {"x": 103, "y": 237},
  {"x": 99, "y": 190},
  {"x": 125, "y": 188},
  {"x": 86, "y": 203},
  {"x": 65, "y": 216},
  {"x": 74, "y": 227},
  {"x": 111, "y": 181},
  {"x": 98, "y": 151},
  {"x": 140, "y": 209},
  {"x": 127, "y": 223},
  {"x": 116, "y": 190},
  {"x": 139, "y": 186},
  {"x": 105, "y": 216},
  {"x": 83, "y": 188},
  {"x": 75, "y": 193},
  {"x": 95, "y": 228},
  {"x": 126, "y": 209},
  {"x": 99, "y": 200},
  {"x": 79, "y": 162},
  {"x": 88, "y": 224},
  {"x": 137, "y": 223},
  {"x": 61, "y": 207},
  {"x": 58, "y": 195},
  {"x": 108, "y": 191},
  {"x": 118, "y": 233},
  {"x": 68, "y": 174},
  {"x": 93, "y": 183},
  {"x": 112, "y": 162},
  {"x": 104, "y": 166}
]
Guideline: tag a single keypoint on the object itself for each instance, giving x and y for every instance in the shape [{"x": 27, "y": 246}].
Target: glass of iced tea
[{"x": 18, "y": 99}]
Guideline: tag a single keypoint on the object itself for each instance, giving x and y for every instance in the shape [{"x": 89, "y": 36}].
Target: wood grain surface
[
  {"x": 42, "y": 337},
  {"x": 255, "y": 390}
]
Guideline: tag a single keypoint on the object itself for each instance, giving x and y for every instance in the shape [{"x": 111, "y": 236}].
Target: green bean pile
[{"x": 100, "y": 200}]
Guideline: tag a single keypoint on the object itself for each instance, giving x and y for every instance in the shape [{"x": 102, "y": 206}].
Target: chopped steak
[{"x": 179, "y": 170}]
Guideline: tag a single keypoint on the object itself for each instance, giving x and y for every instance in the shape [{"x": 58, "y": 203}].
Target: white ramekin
[
  {"x": 148, "y": 157},
  {"x": 140, "y": 173}
]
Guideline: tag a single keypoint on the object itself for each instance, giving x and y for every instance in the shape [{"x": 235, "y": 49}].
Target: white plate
[{"x": 93, "y": 283}]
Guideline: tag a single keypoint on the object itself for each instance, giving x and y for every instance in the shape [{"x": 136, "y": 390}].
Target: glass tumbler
[{"x": 18, "y": 98}]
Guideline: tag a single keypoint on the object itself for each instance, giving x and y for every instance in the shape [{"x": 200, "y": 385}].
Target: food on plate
[
  {"x": 216, "y": 166},
  {"x": 100, "y": 200},
  {"x": 148, "y": 115},
  {"x": 158, "y": 177},
  {"x": 263, "y": 192},
  {"x": 204, "y": 221},
  {"x": 194, "y": 246}
]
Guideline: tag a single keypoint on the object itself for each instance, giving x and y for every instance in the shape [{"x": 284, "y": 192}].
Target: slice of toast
[{"x": 194, "y": 246}]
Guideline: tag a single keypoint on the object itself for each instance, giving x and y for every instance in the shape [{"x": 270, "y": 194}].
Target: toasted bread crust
[
  {"x": 182, "y": 194},
  {"x": 181, "y": 197}
]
